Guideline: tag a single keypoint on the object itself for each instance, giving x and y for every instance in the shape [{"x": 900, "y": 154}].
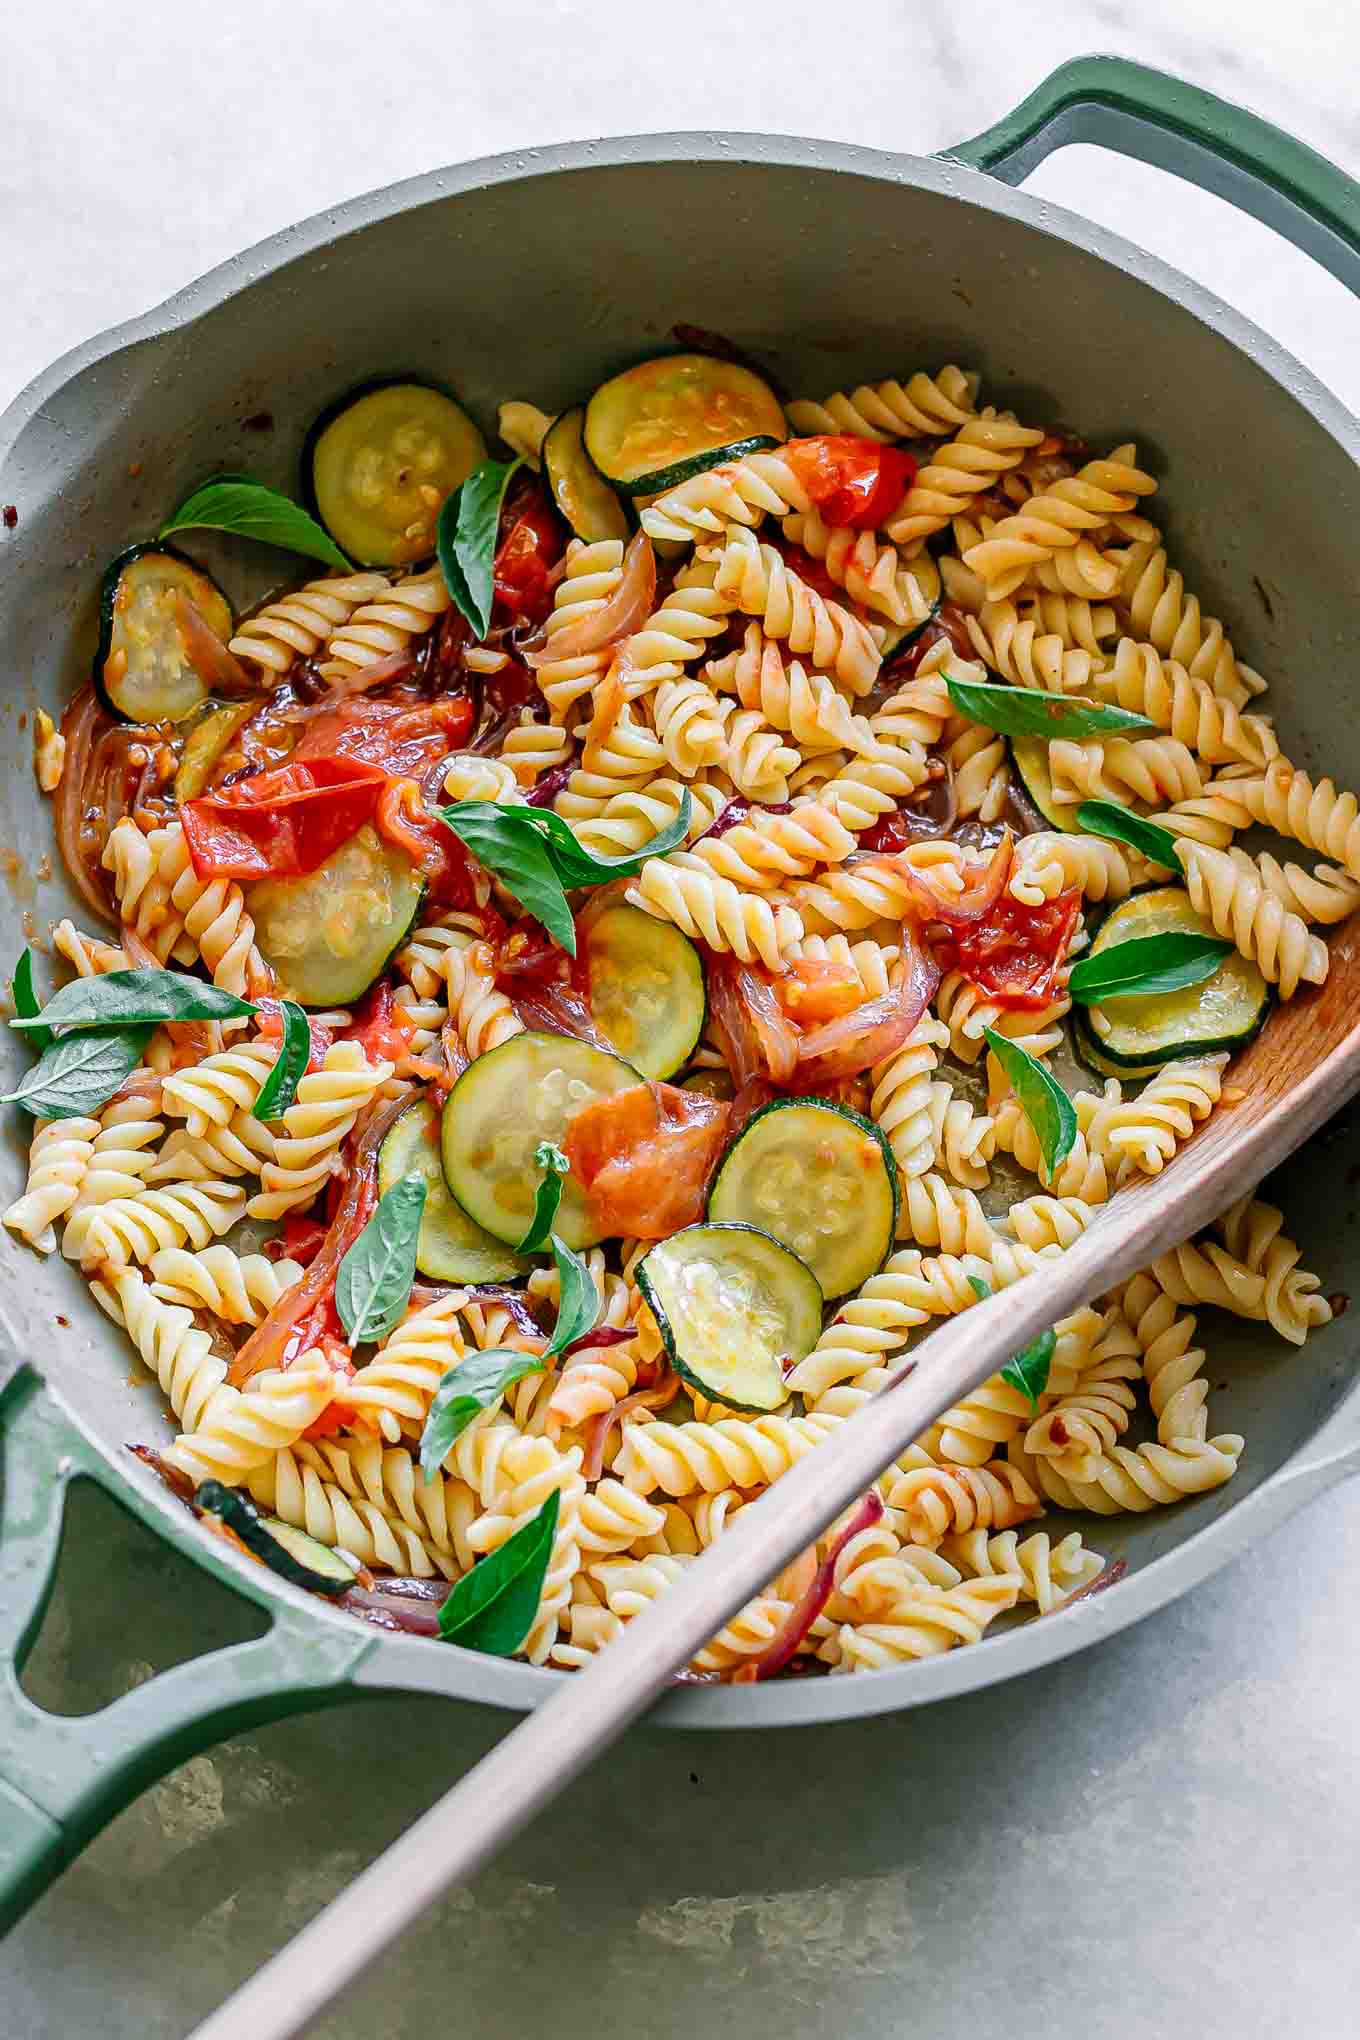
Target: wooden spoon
[{"x": 1297, "y": 1073}]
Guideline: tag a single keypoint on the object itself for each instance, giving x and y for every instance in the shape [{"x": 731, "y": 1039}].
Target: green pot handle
[
  {"x": 1181, "y": 128},
  {"x": 63, "y": 1777}
]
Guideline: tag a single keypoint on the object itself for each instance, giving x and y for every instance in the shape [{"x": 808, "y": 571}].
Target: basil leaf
[
  {"x": 507, "y": 842},
  {"x": 468, "y": 1388},
  {"x": 81, "y": 1073},
  {"x": 1028, "y": 712},
  {"x": 1043, "y": 1100},
  {"x": 578, "y": 1300},
  {"x": 575, "y": 865},
  {"x": 26, "y": 1006},
  {"x": 1107, "y": 818},
  {"x": 373, "y": 1281},
  {"x": 248, "y": 509},
  {"x": 280, "y": 1086},
  {"x": 492, "y": 1608},
  {"x": 547, "y": 1198},
  {"x": 128, "y": 998},
  {"x": 1029, "y": 1370},
  {"x": 465, "y": 539},
  {"x": 1148, "y": 967}
]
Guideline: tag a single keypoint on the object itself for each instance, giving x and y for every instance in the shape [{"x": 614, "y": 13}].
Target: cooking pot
[{"x": 535, "y": 276}]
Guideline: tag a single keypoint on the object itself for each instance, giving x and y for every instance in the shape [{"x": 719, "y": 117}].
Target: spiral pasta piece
[
  {"x": 1160, "y": 611},
  {"x": 88, "y": 955},
  {"x": 740, "y": 492},
  {"x": 1253, "y": 1232},
  {"x": 58, "y": 1161},
  {"x": 590, "y": 578},
  {"x": 532, "y": 1469},
  {"x": 1080, "y": 624},
  {"x": 1129, "y": 1480},
  {"x": 691, "y": 722},
  {"x": 135, "y": 1228},
  {"x": 901, "y": 1099},
  {"x": 300, "y": 1492},
  {"x": 385, "y": 626},
  {"x": 715, "y": 911},
  {"x": 736, "y": 1452},
  {"x": 184, "y": 1359},
  {"x": 875, "y": 890},
  {"x": 314, "y": 1128},
  {"x": 241, "y": 1148},
  {"x": 632, "y": 817},
  {"x": 1145, "y": 682},
  {"x": 614, "y": 1519},
  {"x": 936, "y": 1501},
  {"x": 1051, "y": 522},
  {"x": 299, "y": 623},
  {"x": 934, "y": 1213},
  {"x": 211, "y": 1093},
  {"x": 241, "y": 1289},
  {"x": 141, "y": 889},
  {"x": 393, "y": 1393},
  {"x": 968, "y": 1013},
  {"x": 1143, "y": 1133},
  {"x": 871, "y": 574},
  {"x": 985, "y": 448},
  {"x": 489, "y": 779},
  {"x": 1049, "y": 1221},
  {"x": 790, "y": 698},
  {"x": 866, "y": 1329},
  {"x": 621, "y": 754},
  {"x": 1049, "y": 1573},
  {"x": 676, "y": 634},
  {"x": 1173, "y": 1365},
  {"x": 1232, "y": 896},
  {"x": 1082, "y": 1174},
  {"x": 925, "y": 406},
  {"x": 242, "y": 1428},
  {"x": 1019, "y": 649},
  {"x": 481, "y": 1012},
  {"x": 1049, "y": 863},
  {"x": 964, "y": 1142},
  {"x": 1151, "y": 769},
  {"x": 439, "y": 1512},
  {"x": 123, "y": 1155},
  {"x": 756, "y": 579},
  {"x": 1204, "y": 1272},
  {"x": 973, "y": 1430},
  {"x": 1089, "y": 1418}
]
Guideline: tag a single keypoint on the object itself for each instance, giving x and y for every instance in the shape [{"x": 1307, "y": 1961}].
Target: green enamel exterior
[{"x": 60, "y": 1779}]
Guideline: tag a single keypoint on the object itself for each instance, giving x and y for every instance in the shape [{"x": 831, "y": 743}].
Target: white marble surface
[{"x": 1160, "y": 1837}]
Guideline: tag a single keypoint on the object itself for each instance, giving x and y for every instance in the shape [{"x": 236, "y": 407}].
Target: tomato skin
[
  {"x": 282, "y": 823},
  {"x": 380, "y": 1025},
  {"x": 401, "y": 738},
  {"x": 525, "y": 559},
  {"x": 852, "y": 483},
  {"x": 1015, "y": 952}
]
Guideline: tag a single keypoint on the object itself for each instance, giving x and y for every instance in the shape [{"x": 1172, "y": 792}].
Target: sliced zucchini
[
  {"x": 646, "y": 989},
  {"x": 143, "y": 669},
  {"x": 1224, "y": 1011},
  {"x": 378, "y": 464},
  {"x": 502, "y": 1107},
  {"x": 206, "y": 742},
  {"x": 734, "y": 1308},
  {"x": 896, "y": 638},
  {"x": 658, "y": 424},
  {"x": 1029, "y": 755},
  {"x": 821, "y": 1179},
  {"x": 329, "y": 935},
  {"x": 586, "y": 501},
  {"x": 451, "y": 1247},
  {"x": 289, "y": 1552}
]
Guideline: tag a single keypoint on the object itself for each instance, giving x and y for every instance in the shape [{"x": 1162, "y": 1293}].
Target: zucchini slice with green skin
[
  {"x": 665, "y": 420},
  {"x": 502, "y": 1107},
  {"x": 586, "y": 501},
  {"x": 735, "y": 1310},
  {"x": 1029, "y": 755},
  {"x": 898, "y": 638},
  {"x": 206, "y": 742},
  {"x": 379, "y": 463},
  {"x": 1223, "y": 1012},
  {"x": 647, "y": 991},
  {"x": 143, "y": 669},
  {"x": 451, "y": 1247},
  {"x": 287, "y": 1551},
  {"x": 818, "y": 1177},
  {"x": 329, "y": 934}
]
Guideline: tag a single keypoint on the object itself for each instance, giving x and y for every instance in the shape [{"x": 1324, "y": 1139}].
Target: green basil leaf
[
  {"x": 131, "y": 998},
  {"x": 578, "y": 1300},
  {"x": 1043, "y": 1100},
  {"x": 465, "y": 539},
  {"x": 280, "y": 1086},
  {"x": 468, "y": 1388},
  {"x": 1028, "y": 712},
  {"x": 373, "y": 1281},
  {"x": 1147, "y": 967},
  {"x": 576, "y": 866},
  {"x": 507, "y": 843},
  {"x": 1107, "y": 818},
  {"x": 248, "y": 509},
  {"x": 26, "y": 1006},
  {"x": 80, "y": 1073},
  {"x": 1028, "y": 1371},
  {"x": 492, "y": 1608},
  {"x": 547, "y": 1197}
]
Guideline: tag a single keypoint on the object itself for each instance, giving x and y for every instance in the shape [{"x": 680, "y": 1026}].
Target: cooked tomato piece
[
  {"x": 1015, "y": 952},
  {"x": 815, "y": 989},
  {"x": 531, "y": 548},
  {"x": 851, "y": 482},
  {"x": 645, "y": 1156}
]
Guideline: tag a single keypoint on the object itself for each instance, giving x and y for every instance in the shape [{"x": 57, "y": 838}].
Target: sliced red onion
[
  {"x": 790, "y": 1639},
  {"x": 860, "y": 1040},
  {"x": 756, "y": 1035},
  {"x": 956, "y": 910},
  {"x": 557, "y": 1009},
  {"x": 603, "y": 1335},
  {"x": 654, "y": 1398},
  {"x": 626, "y": 611}
]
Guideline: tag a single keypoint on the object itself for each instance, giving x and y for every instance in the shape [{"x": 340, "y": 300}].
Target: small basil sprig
[
  {"x": 1148, "y": 967},
  {"x": 1028, "y": 712},
  {"x": 472, "y": 1384},
  {"x": 134, "y": 998},
  {"x": 465, "y": 539},
  {"x": 492, "y": 1608},
  {"x": 1029, "y": 1369},
  {"x": 1107, "y": 818},
  {"x": 373, "y": 1281},
  {"x": 80, "y": 1073},
  {"x": 26, "y": 1002},
  {"x": 249, "y": 509},
  {"x": 535, "y": 855},
  {"x": 554, "y": 1165},
  {"x": 280, "y": 1087},
  {"x": 1043, "y": 1100}
]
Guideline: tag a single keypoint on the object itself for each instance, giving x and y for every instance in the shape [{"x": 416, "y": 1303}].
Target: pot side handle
[
  {"x": 63, "y": 1777},
  {"x": 1180, "y": 127}
]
